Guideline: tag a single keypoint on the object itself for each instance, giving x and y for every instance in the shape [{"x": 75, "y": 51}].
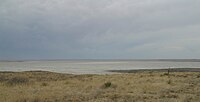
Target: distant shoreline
[
  {"x": 168, "y": 60},
  {"x": 116, "y": 71},
  {"x": 157, "y": 70}
]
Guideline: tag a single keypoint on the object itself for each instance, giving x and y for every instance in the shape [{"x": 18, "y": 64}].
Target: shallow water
[{"x": 93, "y": 66}]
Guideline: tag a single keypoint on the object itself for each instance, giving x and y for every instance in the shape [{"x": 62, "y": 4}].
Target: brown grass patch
[{"x": 55, "y": 87}]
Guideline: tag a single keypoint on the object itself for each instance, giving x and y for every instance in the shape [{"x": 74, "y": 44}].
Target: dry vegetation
[{"x": 133, "y": 87}]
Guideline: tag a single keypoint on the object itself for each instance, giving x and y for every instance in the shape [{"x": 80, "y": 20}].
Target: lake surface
[{"x": 95, "y": 66}]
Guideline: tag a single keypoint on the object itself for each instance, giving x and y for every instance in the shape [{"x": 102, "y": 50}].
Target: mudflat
[
  {"x": 140, "y": 86},
  {"x": 158, "y": 70}
]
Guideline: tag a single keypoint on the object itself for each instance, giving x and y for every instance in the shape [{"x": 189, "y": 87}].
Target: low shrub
[
  {"x": 2, "y": 78},
  {"x": 169, "y": 81},
  {"x": 166, "y": 74},
  {"x": 17, "y": 80},
  {"x": 44, "y": 84},
  {"x": 107, "y": 85}
]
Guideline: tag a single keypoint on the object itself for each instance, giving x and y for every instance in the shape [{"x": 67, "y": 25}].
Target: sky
[{"x": 99, "y": 29}]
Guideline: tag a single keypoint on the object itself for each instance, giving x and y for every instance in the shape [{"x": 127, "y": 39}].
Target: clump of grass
[
  {"x": 44, "y": 84},
  {"x": 198, "y": 76},
  {"x": 30, "y": 100},
  {"x": 17, "y": 81},
  {"x": 166, "y": 74},
  {"x": 151, "y": 73},
  {"x": 107, "y": 85},
  {"x": 2, "y": 78},
  {"x": 169, "y": 81},
  {"x": 67, "y": 82}
]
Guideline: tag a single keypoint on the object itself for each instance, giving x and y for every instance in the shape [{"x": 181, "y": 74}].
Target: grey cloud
[{"x": 99, "y": 29}]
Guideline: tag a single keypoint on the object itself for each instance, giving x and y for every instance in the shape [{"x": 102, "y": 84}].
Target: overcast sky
[{"x": 99, "y": 29}]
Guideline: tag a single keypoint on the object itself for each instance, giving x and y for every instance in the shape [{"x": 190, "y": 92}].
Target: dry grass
[{"x": 134, "y": 87}]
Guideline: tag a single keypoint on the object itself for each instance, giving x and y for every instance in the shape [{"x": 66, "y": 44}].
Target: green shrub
[{"x": 107, "y": 84}]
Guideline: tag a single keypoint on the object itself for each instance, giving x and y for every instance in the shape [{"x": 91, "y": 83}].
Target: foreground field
[{"x": 133, "y": 87}]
